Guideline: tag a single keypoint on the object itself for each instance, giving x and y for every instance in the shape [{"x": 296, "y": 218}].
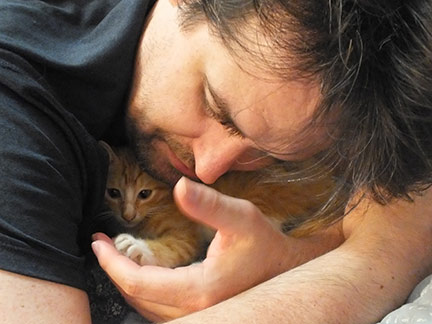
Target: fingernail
[
  {"x": 191, "y": 190},
  {"x": 95, "y": 247}
]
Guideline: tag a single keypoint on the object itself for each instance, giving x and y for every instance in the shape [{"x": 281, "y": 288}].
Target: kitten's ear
[{"x": 109, "y": 150}]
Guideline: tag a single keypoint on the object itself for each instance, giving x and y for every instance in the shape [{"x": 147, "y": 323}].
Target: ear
[{"x": 112, "y": 156}]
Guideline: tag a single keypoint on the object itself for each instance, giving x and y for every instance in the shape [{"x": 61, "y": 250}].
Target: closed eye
[
  {"x": 227, "y": 124},
  {"x": 219, "y": 111}
]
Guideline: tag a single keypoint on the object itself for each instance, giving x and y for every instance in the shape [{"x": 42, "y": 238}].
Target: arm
[
  {"x": 387, "y": 252},
  {"x": 50, "y": 302}
]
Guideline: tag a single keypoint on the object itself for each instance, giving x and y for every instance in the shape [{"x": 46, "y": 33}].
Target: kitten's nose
[{"x": 129, "y": 213}]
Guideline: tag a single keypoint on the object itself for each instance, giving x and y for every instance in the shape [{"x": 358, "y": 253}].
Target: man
[
  {"x": 204, "y": 103},
  {"x": 339, "y": 69}
]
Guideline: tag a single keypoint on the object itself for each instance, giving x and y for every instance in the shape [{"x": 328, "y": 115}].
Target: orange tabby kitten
[{"x": 158, "y": 234}]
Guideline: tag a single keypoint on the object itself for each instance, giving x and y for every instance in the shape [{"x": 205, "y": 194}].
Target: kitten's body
[{"x": 158, "y": 234}]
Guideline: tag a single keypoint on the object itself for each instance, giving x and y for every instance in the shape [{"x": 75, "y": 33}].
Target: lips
[
  {"x": 180, "y": 166},
  {"x": 174, "y": 160}
]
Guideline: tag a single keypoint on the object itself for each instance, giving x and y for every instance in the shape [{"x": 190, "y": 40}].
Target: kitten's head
[{"x": 131, "y": 193}]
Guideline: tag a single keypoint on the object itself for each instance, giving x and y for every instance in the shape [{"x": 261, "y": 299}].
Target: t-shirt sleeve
[
  {"x": 65, "y": 72},
  {"x": 42, "y": 195}
]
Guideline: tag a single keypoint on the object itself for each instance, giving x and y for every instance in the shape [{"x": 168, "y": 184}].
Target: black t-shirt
[{"x": 65, "y": 71}]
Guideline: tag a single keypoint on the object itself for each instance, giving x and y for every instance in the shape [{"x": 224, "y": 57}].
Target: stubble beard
[{"x": 148, "y": 158}]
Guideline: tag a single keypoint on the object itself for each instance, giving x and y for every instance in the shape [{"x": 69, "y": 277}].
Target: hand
[{"x": 246, "y": 250}]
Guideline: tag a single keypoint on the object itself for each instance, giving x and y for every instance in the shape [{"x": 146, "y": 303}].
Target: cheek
[
  {"x": 114, "y": 206},
  {"x": 169, "y": 98},
  {"x": 141, "y": 209}
]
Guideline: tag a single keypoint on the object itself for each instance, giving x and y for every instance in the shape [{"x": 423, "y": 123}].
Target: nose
[
  {"x": 212, "y": 159},
  {"x": 129, "y": 213},
  {"x": 216, "y": 155}
]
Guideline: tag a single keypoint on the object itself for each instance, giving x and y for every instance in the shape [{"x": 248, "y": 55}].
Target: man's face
[{"x": 197, "y": 111}]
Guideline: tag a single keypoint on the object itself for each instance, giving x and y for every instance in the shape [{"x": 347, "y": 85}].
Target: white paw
[{"x": 135, "y": 249}]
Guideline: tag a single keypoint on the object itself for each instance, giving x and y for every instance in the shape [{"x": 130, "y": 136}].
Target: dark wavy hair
[{"x": 374, "y": 59}]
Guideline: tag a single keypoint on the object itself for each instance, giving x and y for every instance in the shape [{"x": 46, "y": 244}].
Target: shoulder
[{"x": 83, "y": 51}]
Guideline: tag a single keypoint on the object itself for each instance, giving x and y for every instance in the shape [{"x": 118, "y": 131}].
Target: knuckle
[
  {"x": 250, "y": 209},
  {"x": 215, "y": 202}
]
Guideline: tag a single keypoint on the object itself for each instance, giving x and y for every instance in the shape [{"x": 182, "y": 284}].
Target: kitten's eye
[
  {"x": 114, "y": 193},
  {"x": 144, "y": 194}
]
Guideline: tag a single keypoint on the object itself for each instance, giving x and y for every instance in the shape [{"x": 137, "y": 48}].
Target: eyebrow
[{"x": 223, "y": 113}]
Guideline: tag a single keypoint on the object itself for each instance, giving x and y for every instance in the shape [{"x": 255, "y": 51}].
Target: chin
[{"x": 131, "y": 225}]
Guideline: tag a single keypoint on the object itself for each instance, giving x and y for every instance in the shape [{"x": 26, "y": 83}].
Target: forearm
[
  {"x": 335, "y": 288},
  {"x": 30, "y": 300}
]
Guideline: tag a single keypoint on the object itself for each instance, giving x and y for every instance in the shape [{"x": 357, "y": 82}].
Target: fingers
[
  {"x": 146, "y": 283},
  {"x": 123, "y": 272},
  {"x": 108, "y": 257},
  {"x": 154, "y": 292},
  {"x": 102, "y": 237},
  {"x": 206, "y": 205}
]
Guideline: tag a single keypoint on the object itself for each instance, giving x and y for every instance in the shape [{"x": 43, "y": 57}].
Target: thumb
[{"x": 206, "y": 205}]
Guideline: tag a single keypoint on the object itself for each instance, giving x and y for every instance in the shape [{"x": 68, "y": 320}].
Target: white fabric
[{"x": 418, "y": 308}]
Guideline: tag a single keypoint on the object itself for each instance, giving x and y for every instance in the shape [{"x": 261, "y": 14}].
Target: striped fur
[{"x": 159, "y": 234}]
